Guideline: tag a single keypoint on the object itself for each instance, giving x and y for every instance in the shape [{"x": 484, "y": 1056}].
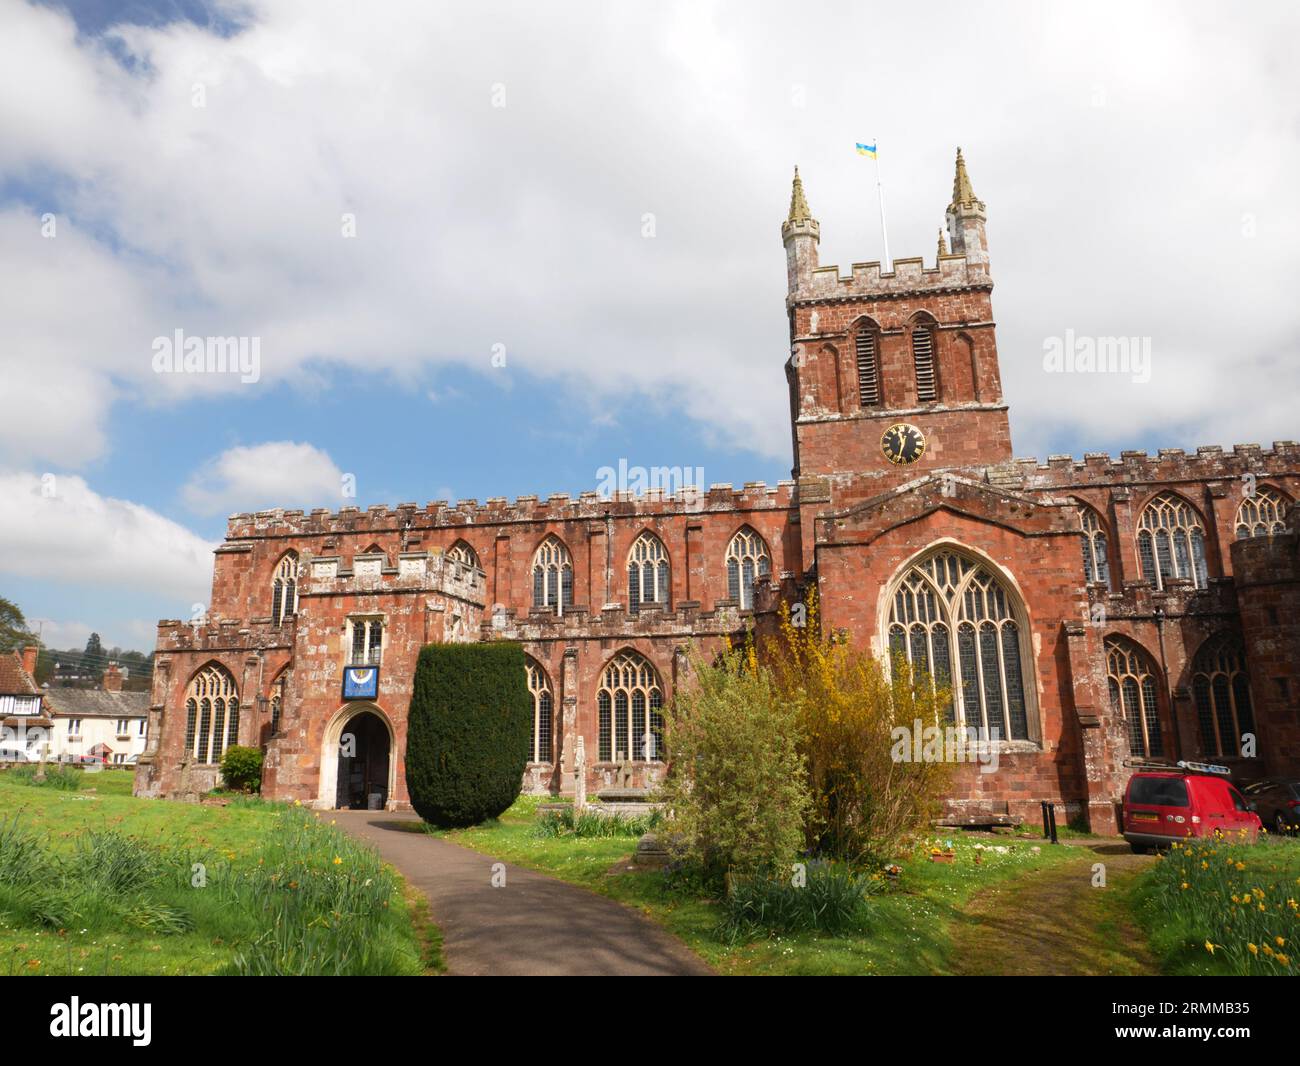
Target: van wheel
[{"x": 1139, "y": 849}]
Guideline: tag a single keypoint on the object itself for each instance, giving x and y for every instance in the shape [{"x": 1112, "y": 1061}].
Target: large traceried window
[
  {"x": 463, "y": 554},
  {"x": 630, "y": 705},
  {"x": 1221, "y": 689},
  {"x": 747, "y": 559},
  {"x": 1096, "y": 564},
  {"x": 923, "y": 358},
  {"x": 1171, "y": 541},
  {"x": 552, "y": 576},
  {"x": 1131, "y": 677},
  {"x": 952, "y": 619},
  {"x": 866, "y": 346},
  {"x": 211, "y": 714},
  {"x": 647, "y": 572},
  {"x": 1261, "y": 515},
  {"x": 284, "y": 589},
  {"x": 539, "y": 687}
]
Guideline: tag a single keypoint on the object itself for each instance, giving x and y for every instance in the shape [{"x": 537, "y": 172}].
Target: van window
[
  {"x": 1158, "y": 791},
  {"x": 1237, "y": 801}
]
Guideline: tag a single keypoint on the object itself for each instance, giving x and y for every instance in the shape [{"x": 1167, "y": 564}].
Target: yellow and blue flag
[{"x": 867, "y": 150}]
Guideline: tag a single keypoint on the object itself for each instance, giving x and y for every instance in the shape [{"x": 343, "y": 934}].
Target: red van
[{"x": 1187, "y": 800}]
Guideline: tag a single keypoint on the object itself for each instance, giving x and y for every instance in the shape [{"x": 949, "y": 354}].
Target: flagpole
[{"x": 880, "y": 194}]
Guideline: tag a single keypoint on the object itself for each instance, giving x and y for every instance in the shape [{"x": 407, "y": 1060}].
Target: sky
[{"x": 486, "y": 250}]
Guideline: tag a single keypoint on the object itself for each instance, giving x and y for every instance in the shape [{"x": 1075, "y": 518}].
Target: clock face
[{"x": 903, "y": 444}]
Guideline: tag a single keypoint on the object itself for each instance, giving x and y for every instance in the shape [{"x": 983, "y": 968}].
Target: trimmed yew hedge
[{"x": 467, "y": 732}]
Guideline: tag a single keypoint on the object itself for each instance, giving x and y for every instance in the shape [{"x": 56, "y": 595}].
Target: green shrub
[
  {"x": 831, "y": 899},
  {"x": 737, "y": 793},
  {"x": 241, "y": 768},
  {"x": 467, "y": 732},
  {"x": 590, "y": 823}
]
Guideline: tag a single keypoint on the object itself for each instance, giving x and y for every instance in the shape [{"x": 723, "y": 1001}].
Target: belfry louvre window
[
  {"x": 630, "y": 703},
  {"x": 1261, "y": 515},
  {"x": 367, "y": 641},
  {"x": 1131, "y": 678},
  {"x": 1221, "y": 691},
  {"x": 552, "y": 576},
  {"x": 1171, "y": 542},
  {"x": 868, "y": 368},
  {"x": 539, "y": 687},
  {"x": 647, "y": 572},
  {"x": 927, "y": 381},
  {"x": 747, "y": 559},
  {"x": 211, "y": 714},
  {"x": 1096, "y": 566},
  {"x": 284, "y": 589},
  {"x": 955, "y": 622}
]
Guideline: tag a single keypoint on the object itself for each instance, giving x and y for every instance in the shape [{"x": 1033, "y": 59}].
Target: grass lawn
[
  {"x": 95, "y": 881},
  {"x": 1215, "y": 907},
  {"x": 911, "y": 934}
]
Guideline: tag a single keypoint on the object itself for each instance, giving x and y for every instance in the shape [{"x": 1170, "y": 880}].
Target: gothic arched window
[
  {"x": 277, "y": 703},
  {"x": 954, "y": 621},
  {"x": 866, "y": 347},
  {"x": 284, "y": 589},
  {"x": 1221, "y": 689},
  {"x": 630, "y": 705},
  {"x": 1131, "y": 677},
  {"x": 211, "y": 714},
  {"x": 539, "y": 687},
  {"x": 647, "y": 572},
  {"x": 462, "y": 553},
  {"x": 552, "y": 576},
  {"x": 1171, "y": 542},
  {"x": 1096, "y": 563},
  {"x": 747, "y": 559},
  {"x": 923, "y": 359},
  {"x": 1262, "y": 514}
]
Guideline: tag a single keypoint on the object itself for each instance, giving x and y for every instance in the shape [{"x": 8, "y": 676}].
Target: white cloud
[
  {"x": 56, "y": 528},
  {"x": 276, "y": 474},
  {"x": 1117, "y": 173}
]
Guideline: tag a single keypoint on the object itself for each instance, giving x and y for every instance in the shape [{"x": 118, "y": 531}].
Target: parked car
[
  {"x": 97, "y": 761},
  {"x": 1277, "y": 802},
  {"x": 1183, "y": 802}
]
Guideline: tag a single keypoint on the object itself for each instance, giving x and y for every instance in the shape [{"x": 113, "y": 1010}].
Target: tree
[
  {"x": 737, "y": 792},
  {"x": 467, "y": 731},
  {"x": 14, "y": 632},
  {"x": 93, "y": 656}
]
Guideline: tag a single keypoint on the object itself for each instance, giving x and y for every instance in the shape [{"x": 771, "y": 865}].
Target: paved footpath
[{"x": 533, "y": 926}]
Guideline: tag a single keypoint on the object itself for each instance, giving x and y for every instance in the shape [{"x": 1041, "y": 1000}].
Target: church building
[{"x": 1085, "y": 612}]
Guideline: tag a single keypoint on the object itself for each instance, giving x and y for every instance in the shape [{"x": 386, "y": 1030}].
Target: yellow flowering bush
[{"x": 865, "y": 802}]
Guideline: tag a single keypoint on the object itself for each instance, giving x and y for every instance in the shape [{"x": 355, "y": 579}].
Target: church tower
[{"x": 892, "y": 374}]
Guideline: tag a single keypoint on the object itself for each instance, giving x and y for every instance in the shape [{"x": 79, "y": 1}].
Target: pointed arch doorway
[{"x": 364, "y": 763}]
